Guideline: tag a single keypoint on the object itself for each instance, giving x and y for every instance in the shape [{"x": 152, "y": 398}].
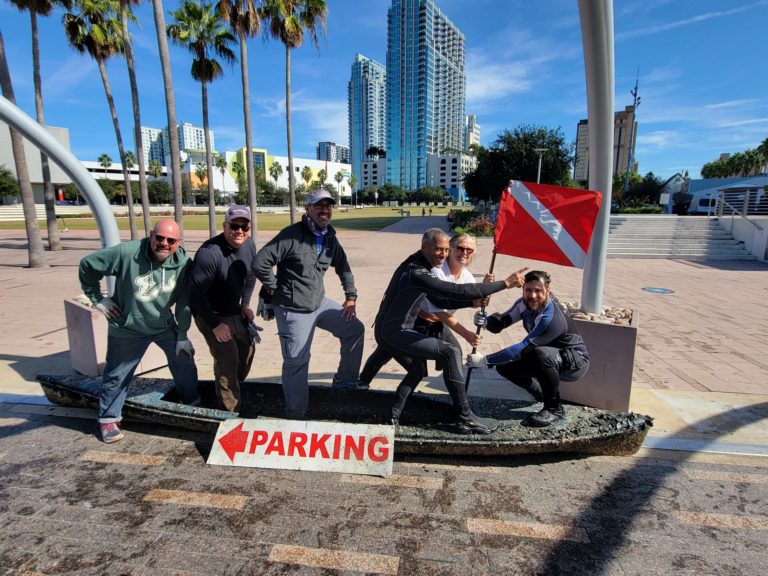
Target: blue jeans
[{"x": 124, "y": 355}]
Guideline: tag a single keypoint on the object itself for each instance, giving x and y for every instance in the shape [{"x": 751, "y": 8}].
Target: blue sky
[{"x": 702, "y": 66}]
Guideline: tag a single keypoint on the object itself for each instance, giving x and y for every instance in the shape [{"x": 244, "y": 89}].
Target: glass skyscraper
[
  {"x": 366, "y": 100},
  {"x": 425, "y": 89}
]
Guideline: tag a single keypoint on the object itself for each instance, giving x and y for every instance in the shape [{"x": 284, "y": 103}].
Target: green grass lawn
[{"x": 369, "y": 218}]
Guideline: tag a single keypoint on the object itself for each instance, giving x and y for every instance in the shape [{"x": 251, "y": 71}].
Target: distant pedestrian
[
  {"x": 430, "y": 211},
  {"x": 423, "y": 211},
  {"x": 150, "y": 304}
]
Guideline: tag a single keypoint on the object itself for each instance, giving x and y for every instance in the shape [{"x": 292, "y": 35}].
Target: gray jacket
[{"x": 299, "y": 282}]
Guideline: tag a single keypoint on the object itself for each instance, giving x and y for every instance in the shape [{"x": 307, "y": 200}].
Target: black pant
[{"x": 545, "y": 365}]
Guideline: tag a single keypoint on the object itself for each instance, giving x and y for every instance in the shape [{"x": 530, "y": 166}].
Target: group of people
[{"x": 158, "y": 290}]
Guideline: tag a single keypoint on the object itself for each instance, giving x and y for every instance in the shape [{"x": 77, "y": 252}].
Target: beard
[{"x": 535, "y": 306}]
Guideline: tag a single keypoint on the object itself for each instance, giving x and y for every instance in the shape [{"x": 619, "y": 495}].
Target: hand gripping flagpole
[{"x": 480, "y": 320}]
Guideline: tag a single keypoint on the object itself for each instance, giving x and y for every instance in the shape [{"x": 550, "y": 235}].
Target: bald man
[{"x": 151, "y": 276}]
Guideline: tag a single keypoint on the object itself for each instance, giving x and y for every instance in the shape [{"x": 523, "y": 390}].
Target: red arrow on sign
[{"x": 234, "y": 441}]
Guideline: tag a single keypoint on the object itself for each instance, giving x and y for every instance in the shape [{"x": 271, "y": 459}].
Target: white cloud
[
  {"x": 731, "y": 104},
  {"x": 747, "y": 122},
  {"x": 69, "y": 75}
]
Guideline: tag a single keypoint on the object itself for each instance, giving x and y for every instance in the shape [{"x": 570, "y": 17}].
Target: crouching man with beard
[{"x": 552, "y": 351}]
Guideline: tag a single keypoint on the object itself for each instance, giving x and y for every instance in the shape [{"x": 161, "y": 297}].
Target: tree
[
  {"x": 376, "y": 152},
  {"x": 105, "y": 162},
  {"x": 43, "y": 8},
  {"x": 93, "y": 29},
  {"x": 155, "y": 169},
  {"x": 170, "y": 108},
  {"x": 339, "y": 176},
  {"x": 125, "y": 15},
  {"x": 352, "y": 183},
  {"x": 512, "y": 157},
  {"x": 221, "y": 164},
  {"x": 159, "y": 192},
  {"x": 322, "y": 176},
  {"x": 130, "y": 160},
  {"x": 306, "y": 175},
  {"x": 201, "y": 171},
  {"x": 9, "y": 186},
  {"x": 288, "y": 21},
  {"x": 200, "y": 29},
  {"x": 762, "y": 150},
  {"x": 244, "y": 18},
  {"x": 275, "y": 171}
]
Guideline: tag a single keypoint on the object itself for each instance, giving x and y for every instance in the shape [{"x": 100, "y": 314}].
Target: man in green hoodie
[{"x": 151, "y": 276}]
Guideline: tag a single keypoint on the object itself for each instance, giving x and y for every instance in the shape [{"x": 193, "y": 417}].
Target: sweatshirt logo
[{"x": 147, "y": 288}]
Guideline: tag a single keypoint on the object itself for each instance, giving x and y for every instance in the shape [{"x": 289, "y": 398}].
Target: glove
[
  {"x": 265, "y": 308},
  {"x": 108, "y": 307},
  {"x": 476, "y": 360},
  {"x": 481, "y": 318},
  {"x": 186, "y": 347},
  {"x": 254, "y": 330},
  {"x": 496, "y": 322}
]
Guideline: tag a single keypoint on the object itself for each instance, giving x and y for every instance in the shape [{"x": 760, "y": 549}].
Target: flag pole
[{"x": 480, "y": 326}]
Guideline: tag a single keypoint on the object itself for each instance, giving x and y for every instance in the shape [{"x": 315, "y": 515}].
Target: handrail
[{"x": 748, "y": 205}]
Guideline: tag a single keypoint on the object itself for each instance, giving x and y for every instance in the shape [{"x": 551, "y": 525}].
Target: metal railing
[{"x": 742, "y": 204}]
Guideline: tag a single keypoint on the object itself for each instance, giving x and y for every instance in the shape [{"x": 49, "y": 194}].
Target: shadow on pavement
[{"x": 609, "y": 516}]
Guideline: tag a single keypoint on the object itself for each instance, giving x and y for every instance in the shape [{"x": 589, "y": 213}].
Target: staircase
[{"x": 681, "y": 237}]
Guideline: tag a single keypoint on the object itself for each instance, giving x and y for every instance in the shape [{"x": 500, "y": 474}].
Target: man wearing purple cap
[
  {"x": 220, "y": 296},
  {"x": 302, "y": 253}
]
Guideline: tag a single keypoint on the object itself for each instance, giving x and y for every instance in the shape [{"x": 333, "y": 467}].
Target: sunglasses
[
  {"x": 466, "y": 250},
  {"x": 166, "y": 239},
  {"x": 234, "y": 226}
]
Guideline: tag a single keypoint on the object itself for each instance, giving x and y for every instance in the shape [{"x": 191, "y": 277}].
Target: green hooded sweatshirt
[{"x": 145, "y": 289}]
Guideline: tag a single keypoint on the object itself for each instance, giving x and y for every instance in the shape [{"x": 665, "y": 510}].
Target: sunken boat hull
[{"x": 425, "y": 426}]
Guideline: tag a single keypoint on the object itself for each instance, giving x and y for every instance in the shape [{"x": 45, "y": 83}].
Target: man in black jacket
[{"x": 411, "y": 283}]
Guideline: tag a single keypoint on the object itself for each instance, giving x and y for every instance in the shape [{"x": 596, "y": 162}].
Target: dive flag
[{"x": 545, "y": 222}]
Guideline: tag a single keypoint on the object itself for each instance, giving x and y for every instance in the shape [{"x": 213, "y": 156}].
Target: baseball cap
[
  {"x": 316, "y": 196},
  {"x": 237, "y": 211}
]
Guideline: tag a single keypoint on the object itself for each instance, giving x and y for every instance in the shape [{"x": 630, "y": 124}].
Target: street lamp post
[
  {"x": 540, "y": 152},
  {"x": 635, "y": 104}
]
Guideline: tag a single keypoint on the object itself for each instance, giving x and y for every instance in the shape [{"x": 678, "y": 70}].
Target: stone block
[
  {"x": 608, "y": 383},
  {"x": 87, "y": 334}
]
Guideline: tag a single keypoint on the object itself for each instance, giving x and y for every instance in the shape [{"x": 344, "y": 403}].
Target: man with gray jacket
[{"x": 302, "y": 253}]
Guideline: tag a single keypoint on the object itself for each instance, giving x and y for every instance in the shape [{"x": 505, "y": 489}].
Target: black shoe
[
  {"x": 545, "y": 417},
  {"x": 476, "y": 425}
]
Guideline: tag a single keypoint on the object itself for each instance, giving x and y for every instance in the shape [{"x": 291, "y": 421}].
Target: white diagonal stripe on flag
[{"x": 548, "y": 222}]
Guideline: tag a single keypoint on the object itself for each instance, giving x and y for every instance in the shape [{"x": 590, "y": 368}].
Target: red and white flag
[{"x": 545, "y": 222}]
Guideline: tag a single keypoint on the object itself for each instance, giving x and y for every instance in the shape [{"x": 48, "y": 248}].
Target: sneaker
[
  {"x": 545, "y": 417},
  {"x": 110, "y": 432},
  {"x": 477, "y": 425},
  {"x": 339, "y": 384}
]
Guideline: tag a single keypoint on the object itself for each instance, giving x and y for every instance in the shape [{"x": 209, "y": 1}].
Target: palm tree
[
  {"x": 94, "y": 29},
  {"x": 201, "y": 30},
  {"x": 288, "y": 20},
  {"x": 155, "y": 169},
  {"x": 201, "y": 171},
  {"x": 170, "y": 108},
  {"x": 322, "y": 176},
  {"x": 221, "y": 164},
  {"x": 339, "y": 176},
  {"x": 275, "y": 171},
  {"x": 306, "y": 175},
  {"x": 352, "y": 182},
  {"x": 36, "y": 252},
  {"x": 244, "y": 18},
  {"x": 762, "y": 150},
  {"x": 43, "y": 8},
  {"x": 125, "y": 15},
  {"x": 105, "y": 162}
]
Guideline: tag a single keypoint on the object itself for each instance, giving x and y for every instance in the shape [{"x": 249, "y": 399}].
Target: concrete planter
[
  {"x": 87, "y": 333},
  {"x": 608, "y": 384}
]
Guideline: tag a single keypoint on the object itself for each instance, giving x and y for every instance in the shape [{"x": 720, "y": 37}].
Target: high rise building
[
  {"x": 332, "y": 152},
  {"x": 425, "y": 89},
  {"x": 471, "y": 131},
  {"x": 367, "y": 103},
  {"x": 152, "y": 143},
  {"x": 624, "y": 137},
  {"x": 190, "y": 138}
]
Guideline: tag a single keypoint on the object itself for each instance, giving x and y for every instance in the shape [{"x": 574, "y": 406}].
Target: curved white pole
[
  {"x": 597, "y": 37},
  {"x": 40, "y": 137}
]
